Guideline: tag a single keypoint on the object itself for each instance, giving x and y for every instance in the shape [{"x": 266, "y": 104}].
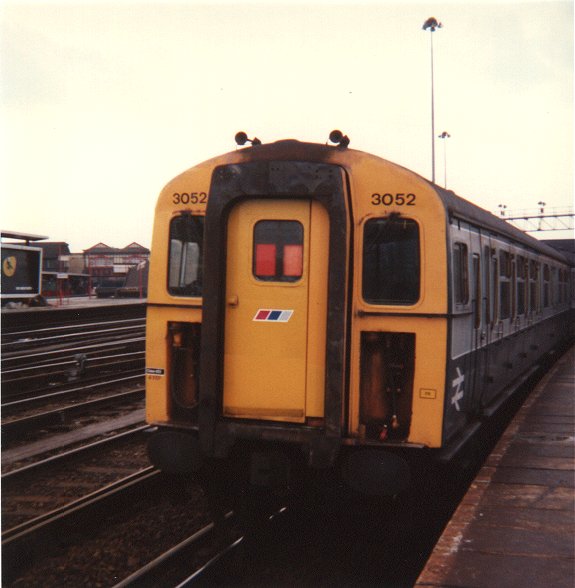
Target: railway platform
[
  {"x": 73, "y": 302},
  {"x": 516, "y": 525}
]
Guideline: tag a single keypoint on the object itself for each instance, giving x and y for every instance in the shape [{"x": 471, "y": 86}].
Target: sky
[{"x": 102, "y": 103}]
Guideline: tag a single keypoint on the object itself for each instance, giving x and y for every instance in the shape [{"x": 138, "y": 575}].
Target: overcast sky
[{"x": 104, "y": 102}]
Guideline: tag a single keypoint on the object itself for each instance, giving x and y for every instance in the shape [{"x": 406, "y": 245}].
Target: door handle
[{"x": 233, "y": 300}]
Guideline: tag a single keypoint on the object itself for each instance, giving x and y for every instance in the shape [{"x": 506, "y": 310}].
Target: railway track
[
  {"x": 16, "y": 322},
  {"x": 44, "y": 500},
  {"x": 19, "y": 429},
  {"x": 35, "y": 372},
  {"x": 39, "y": 358},
  {"x": 29, "y": 540},
  {"x": 35, "y": 489},
  {"x": 58, "y": 379},
  {"x": 48, "y": 398},
  {"x": 27, "y": 398},
  {"x": 21, "y": 340},
  {"x": 189, "y": 560},
  {"x": 105, "y": 538}
]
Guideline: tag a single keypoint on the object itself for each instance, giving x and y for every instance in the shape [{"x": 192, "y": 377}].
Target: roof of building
[
  {"x": 103, "y": 249},
  {"x": 54, "y": 249},
  {"x": 22, "y": 236}
]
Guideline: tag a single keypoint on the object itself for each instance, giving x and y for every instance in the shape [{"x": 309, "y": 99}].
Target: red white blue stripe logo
[{"x": 273, "y": 315}]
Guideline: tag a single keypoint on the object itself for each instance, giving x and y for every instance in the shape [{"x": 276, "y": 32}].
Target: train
[
  {"x": 135, "y": 285},
  {"x": 314, "y": 308}
]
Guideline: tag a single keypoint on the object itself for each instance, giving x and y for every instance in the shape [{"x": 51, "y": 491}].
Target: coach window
[
  {"x": 488, "y": 296},
  {"x": 504, "y": 285},
  {"x": 554, "y": 287},
  {"x": 533, "y": 281},
  {"x": 477, "y": 305},
  {"x": 566, "y": 288},
  {"x": 460, "y": 273},
  {"x": 521, "y": 284},
  {"x": 185, "y": 258},
  {"x": 278, "y": 251},
  {"x": 391, "y": 262},
  {"x": 513, "y": 263},
  {"x": 546, "y": 279},
  {"x": 495, "y": 289}
]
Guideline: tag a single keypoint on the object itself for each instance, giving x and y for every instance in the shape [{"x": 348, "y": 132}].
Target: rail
[
  {"x": 16, "y": 428},
  {"x": 24, "y": 542},
  {"x": 7, "y": 477}
]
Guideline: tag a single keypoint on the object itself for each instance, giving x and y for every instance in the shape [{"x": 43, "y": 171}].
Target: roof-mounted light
[
  {"x": 339, "y": 138},
  {"x": 242, "y": 139}
]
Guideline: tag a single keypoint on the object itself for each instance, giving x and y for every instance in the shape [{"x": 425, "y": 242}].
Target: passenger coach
[{"x": 317, "y": 302}]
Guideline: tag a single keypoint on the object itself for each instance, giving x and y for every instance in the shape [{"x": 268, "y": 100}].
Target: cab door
[{"x": 275, "y": 313}]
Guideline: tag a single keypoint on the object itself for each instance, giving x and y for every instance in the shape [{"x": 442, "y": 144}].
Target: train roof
[
  {"x": 455, "y": 205},
  {"x": 463, "y": 209},
  {"x": 565, "y": 246}
]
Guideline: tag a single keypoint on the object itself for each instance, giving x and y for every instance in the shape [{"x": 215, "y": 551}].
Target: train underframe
[{"x": 259, "y": 461}]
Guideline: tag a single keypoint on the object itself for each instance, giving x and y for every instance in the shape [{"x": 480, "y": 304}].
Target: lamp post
[
  {"x": 444, "y": 135},
  {"x": 432, "y": 24}
]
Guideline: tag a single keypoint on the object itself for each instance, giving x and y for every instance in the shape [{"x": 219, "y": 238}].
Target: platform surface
[
  {"x": 80, "y": 302},
  {"x": 516, "y": 525}
]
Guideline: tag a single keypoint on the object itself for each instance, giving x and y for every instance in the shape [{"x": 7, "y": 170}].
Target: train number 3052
[
  {"x": 391, "y": 199},
  {"x": 191, "y": 198}
]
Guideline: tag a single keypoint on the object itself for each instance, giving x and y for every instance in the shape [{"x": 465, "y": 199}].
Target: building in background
[
  {"x": 63, "y": 273},
  {"x": 100, "y": 269},
  {"x": 108, "y": 267}
]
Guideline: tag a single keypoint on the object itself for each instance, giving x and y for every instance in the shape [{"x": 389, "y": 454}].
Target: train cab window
[
  {"x": 460, "y": 273},
  {"x": 185, "y": 258},
  {"x": 278, "y": 251},
  {"x": 391, "y": 262},
  {"x": 504, "y": 285}
]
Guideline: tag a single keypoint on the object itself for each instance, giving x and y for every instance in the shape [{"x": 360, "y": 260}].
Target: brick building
[{"x": 110, "y": 265}]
